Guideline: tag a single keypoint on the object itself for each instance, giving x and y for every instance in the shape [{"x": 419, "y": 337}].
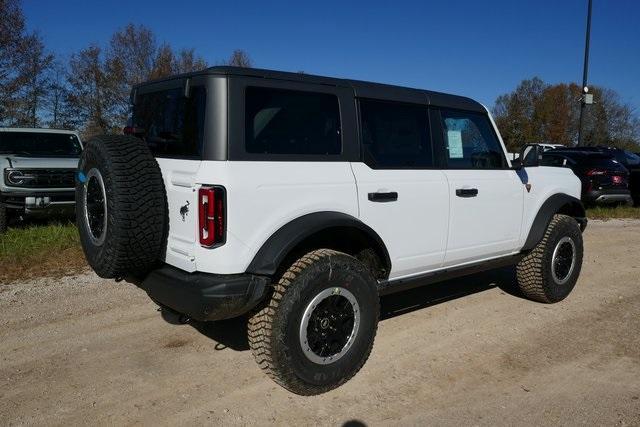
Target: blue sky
[{"x": 470, "y": 47}]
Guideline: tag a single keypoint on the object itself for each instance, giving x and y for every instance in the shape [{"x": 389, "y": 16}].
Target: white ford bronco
[
  {"x": 298, "y": 200},
  {"x": 37, "y": 168}
]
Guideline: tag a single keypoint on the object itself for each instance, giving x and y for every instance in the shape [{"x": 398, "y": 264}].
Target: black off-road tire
[
  {"x": 136, "y": 206},
  {"x": 534, "y": 272},
  {"x": 4, "y": 218},
  {"x": 274, "y": 330}
]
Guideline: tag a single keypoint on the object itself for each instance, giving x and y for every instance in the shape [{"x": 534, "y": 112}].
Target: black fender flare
[
  {"x": 557, "y": 203},
  {"x": 273, "y": 252}
]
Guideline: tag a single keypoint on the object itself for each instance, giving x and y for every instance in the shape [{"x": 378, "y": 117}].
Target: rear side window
[
  {"x": 279, "y": 121},
  {"x": 395, "y": 135},
  {"x": 470, "y": 142},
  {"x": 171, "y": 124}
]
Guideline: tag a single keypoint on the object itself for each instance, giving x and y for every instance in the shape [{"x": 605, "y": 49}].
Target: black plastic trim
[
  {"x": 278, "y": 246},
  {"x": 548, "y": 209},
  {"x": 203, "y": 296},
  {"x": 387, "y": 287}
]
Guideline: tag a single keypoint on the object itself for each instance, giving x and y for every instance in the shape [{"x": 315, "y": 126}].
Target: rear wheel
[
  {"x": 549, "y": 273},
  {"x": 121, "y": 207},
  {"x": 318, "y": 328}
]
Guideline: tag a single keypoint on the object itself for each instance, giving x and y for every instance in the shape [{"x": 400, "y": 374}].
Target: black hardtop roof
[{"x": 361, "y": 88}]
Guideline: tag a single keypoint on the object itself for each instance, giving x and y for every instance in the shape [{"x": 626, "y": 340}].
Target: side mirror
[{"x": 530, "y": 155}]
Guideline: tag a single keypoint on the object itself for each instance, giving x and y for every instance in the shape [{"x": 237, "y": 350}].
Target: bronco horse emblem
[{"x": 184, "y": 211}]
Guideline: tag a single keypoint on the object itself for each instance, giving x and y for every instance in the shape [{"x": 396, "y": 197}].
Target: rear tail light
[
  {"x": 617, "y": 179},
  {"x": 212, "y": 212},
  {"x": 594, "y": 172}
]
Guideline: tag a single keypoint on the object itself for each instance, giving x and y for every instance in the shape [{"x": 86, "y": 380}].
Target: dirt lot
[{"x": 82, "y": 351}]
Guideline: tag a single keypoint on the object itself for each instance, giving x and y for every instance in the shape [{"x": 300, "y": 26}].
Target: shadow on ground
[{"x": 232, "y": 333}]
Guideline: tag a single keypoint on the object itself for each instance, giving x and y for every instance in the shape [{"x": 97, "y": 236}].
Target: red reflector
[
  {"x": 211, "y": 212},
  {"x": 616, "y": 179}
]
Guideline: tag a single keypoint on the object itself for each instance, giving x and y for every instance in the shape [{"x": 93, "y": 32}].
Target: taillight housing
[{"x": 212, "y": 227}]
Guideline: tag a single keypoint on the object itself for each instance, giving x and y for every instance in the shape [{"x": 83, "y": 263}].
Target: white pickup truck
[
  {"x": 37, "y": 167},
  {"x": 298, "y": 200}
]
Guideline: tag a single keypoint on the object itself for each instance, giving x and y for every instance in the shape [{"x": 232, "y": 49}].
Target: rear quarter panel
[{"x": 264, "y": 196}]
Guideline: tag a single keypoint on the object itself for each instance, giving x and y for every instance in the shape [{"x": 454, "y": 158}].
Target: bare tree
[
  {"x": 100, "y": 80},
  {"x": 93, "y": 97},
  {"x": 163, "y": 63},
  {"x": 23, "y": 66},
  {"x": 240, "y": 58},
  {"x": 187, "y": 61},
  {"x": 129, "y": 60},
  {"x": 36, "y": 66},
  {"x": 56, "y": 97},
  {"x": 167, "y": 62}
]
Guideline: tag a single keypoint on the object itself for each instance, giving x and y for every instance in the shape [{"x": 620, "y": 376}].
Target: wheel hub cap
[
  {"x": 329, "y": 325},
  {"x": 563, "y": 260},
  {"x": 95, "y": 207}
]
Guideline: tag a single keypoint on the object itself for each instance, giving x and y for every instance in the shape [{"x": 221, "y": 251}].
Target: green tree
[{"x": 538, "y": 112}]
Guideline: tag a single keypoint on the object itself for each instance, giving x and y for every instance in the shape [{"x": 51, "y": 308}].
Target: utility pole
[{"x": 586, "y": 97}]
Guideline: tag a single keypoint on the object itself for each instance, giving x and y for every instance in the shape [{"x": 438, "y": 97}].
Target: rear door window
[
  {"x": 470, "y": 141},
  {"x": 282, "y": 121},
  {"x": 395, "y": 135},
  {"x": 171, "y": 124}
]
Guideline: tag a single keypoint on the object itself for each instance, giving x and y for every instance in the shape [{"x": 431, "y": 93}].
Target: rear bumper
[
  {"x": 608, "y": 196},
  {"x": 205, "y": 297}
]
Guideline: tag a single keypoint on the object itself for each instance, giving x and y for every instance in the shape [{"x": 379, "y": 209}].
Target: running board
[{"x": 386, "y": 287}]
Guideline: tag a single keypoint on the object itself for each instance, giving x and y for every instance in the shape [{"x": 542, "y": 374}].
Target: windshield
[{"x": 40, "y": 144}]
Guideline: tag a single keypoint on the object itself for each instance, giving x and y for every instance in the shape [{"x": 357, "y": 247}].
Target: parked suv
[
  {"x": 604, "y": 179},
  {"x": 631, "y": 161},
  {"x": 298, "y": 200},
  {"x": 38, "y": 167}
]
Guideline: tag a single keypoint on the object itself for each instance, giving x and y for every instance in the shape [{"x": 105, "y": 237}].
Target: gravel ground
[{"x": 81, "y": 350}]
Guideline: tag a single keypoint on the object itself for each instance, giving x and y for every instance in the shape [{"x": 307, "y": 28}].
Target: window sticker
[{"x": 454, "y": 138}]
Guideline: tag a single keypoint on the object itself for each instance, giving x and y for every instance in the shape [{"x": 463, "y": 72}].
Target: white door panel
[
  {"x": 414, "y": 227},
  {"x": 487, "y": 224}
]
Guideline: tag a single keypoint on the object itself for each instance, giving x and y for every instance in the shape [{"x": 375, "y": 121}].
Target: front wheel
[
  {"x": 549, "y": 273},
  {"x": 318, "y": 328}
]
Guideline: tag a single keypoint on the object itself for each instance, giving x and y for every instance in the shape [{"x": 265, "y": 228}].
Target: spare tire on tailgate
[{"x": 121, "y": 206}]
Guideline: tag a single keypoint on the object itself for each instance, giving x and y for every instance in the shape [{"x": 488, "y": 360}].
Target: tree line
[
  {"x": 89, "y": 91},
  {"x": 538, "y": 112}
]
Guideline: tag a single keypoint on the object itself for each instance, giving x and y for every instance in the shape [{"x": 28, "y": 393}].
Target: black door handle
[
  {"x": 391, "y": 196},
  {"x": 467, "y": 192}
]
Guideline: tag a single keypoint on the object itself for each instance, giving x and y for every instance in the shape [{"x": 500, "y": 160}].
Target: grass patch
[
  {"x": 611, "y": 212},
  {"x": 51, "y": 250}
]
